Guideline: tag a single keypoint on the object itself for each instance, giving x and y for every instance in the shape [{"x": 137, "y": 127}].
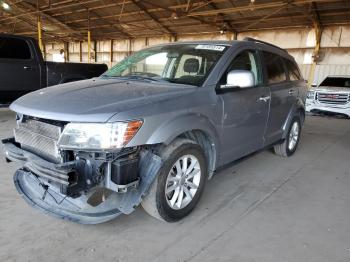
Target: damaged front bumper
[{"x": 43, "y": 185}]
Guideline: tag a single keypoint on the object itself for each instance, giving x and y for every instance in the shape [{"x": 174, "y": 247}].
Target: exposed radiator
[{"x": 39, "y": 137}]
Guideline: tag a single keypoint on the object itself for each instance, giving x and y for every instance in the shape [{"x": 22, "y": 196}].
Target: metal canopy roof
[{"x": 68, "y": 20}]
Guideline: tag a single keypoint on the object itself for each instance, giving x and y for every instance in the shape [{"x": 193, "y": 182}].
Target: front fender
[
  {"x": 171, "y": 129},
  {"x": 208, "y": 137}
]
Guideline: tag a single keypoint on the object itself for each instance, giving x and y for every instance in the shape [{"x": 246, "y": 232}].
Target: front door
[{"x": 245, "y": 110}]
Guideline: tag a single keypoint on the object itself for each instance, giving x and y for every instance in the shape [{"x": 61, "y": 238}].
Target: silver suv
[{"x": 154, "y": 128}]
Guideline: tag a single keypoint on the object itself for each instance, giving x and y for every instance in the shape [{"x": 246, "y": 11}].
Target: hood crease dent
[{"x": 95, "y": 100}]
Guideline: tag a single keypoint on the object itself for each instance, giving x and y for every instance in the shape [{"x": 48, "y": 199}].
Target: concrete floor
[{"x": 264, "y": 208}]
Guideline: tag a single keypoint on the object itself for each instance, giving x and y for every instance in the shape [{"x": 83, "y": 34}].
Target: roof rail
[{"x": 263, "y": 42}]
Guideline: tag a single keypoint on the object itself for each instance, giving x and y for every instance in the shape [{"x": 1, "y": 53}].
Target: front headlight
[
  {"x": 310, "y": 95},
  {"x": 98, "y": 136}
]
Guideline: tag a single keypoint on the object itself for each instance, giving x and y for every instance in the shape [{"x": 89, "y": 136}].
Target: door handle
[
  {"x": 27, "y": 68},
  {"x": 264, "y": 98},
  {"x": 291, "y": 92}
]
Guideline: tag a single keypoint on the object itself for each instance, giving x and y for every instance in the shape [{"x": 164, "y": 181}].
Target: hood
[
  {"x": 95, "y": 100},
  {"x": 331, "y": 89}
]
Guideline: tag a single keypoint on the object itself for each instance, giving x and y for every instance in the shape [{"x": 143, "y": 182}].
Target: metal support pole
[
  {"x": 95, "y": 49},
  {"x": 89, "y": 38},
  {"x": 89, "y": 46},
  {"x": 44, "y": 52},
  {"x": 40, "y": 40},
  {"x": 111, "y": 54},
  {"x": 232, "y": 35},
  {"x": 66, "y": 50},
  {"x": 316, "y": 52},
  {"x": 235, "y": 36},
  {"x": 80, "y": 51},
  {"x": 130, "y": 47}
]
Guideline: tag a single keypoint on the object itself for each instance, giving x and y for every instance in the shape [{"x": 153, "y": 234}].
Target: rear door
[
  {"x": 245, "y": 110},
  {"x": 283, "y": 94},
  {"x": 19, "y": 70}
]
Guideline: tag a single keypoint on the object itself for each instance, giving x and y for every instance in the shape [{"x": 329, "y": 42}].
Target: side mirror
[{"x": 239, "y": 79}]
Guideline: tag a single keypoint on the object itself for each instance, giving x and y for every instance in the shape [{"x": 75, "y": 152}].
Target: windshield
[
  {"x": 336, "y": 82},
  {"x": 183, "y": 64}
]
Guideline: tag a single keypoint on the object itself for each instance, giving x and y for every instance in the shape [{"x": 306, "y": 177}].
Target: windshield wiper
[
  {"x": 143, "y": 77},
  {"x": 138, "y": 77}
]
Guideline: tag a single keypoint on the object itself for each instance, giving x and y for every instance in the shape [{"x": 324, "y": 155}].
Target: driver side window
[
  {"x": 247, "y": 60},
  {"x": 152, "y": 65}
]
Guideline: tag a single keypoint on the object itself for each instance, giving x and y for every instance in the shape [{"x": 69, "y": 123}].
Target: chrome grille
[
  {"x": 332, "y": 98},
  {"x": 39, "y": 137}
]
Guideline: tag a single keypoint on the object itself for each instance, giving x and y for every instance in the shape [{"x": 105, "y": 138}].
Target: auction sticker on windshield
[{"x": 211, "y": 47}]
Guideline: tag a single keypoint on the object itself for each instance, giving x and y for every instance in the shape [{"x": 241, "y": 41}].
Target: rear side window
[
  {"x": 12, "y": 48},
  {"x": 274, "y": 68},
  {"x": 293, "y": 70}
]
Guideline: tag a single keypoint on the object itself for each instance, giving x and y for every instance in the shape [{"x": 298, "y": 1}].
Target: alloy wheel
[
  {"x": 293, "y": 136},
  {"x": 182, "y": 182}
]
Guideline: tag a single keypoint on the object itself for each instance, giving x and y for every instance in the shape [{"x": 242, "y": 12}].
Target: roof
[
  {"x": 213, "y": 42},
  {"x": 268, "y": 47},
  {"x": 69, "y": 20}
]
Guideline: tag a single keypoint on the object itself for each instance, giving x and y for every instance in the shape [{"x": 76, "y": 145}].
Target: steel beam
[{"x": 143, "y": 8}]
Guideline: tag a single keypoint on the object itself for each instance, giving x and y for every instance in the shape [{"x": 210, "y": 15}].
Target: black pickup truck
[{"x": 23, "y": 69}]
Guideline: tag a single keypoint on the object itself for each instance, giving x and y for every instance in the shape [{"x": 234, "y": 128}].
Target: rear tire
[
  {"x": 290, "y": 144},
  {"x": 179, "y": 183}
]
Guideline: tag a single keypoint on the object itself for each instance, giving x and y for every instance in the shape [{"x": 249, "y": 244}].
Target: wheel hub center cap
[{"x": 182, "y": 180}]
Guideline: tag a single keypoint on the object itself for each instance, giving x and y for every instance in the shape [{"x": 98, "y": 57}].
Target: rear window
[
  {"x": 293, "y": 71},
  {"x": 12, "y": 48},
  {"x": 275, "y": 68},
  {"x": 336, "y": 82}
]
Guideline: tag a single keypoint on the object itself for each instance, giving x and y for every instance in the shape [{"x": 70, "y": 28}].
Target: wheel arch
[
  {"x": 298, "y": 109},
  {"x": 206, "y": 143},
  {"x": 197, "y": 128}
]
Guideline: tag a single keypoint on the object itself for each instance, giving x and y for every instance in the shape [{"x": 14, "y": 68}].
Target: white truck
[{"x": 332, "y": 95}]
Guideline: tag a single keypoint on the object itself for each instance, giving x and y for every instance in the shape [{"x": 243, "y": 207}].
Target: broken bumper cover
[
  {"x": 42, "y": 195},
  {"x": 50, "y": 201}
]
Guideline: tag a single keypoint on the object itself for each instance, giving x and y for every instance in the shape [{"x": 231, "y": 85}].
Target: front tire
[
  {"x": 290, "y": 144},
  {"x": 180, "y": 182}
]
